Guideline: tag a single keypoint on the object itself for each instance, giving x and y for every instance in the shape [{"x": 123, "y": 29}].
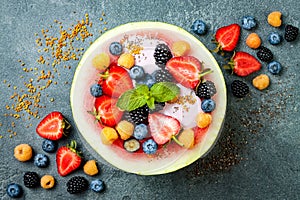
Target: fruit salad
[{"x": 152, "y": 94}]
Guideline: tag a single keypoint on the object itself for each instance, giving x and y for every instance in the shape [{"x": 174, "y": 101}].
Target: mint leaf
[
  {"x": 150, "y": 103},
  {"x": 131, "y": 100},
  {"x": 142, "y": 90},
  {"x": 164, "y": 91}
]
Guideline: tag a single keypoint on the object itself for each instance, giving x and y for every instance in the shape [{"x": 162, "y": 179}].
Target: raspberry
[
  {"x": 90, "y": 168},
  {"x": 77, "y": 184},
  {"x": 162, "y": 54},
  {"x": 206, "y": 90},
  {"x": 291, "y": 33},
  {"x": 126, "y": 60},
  {"x": 31, "y": 179},
  {"x": 203, "y": 120},
  {"x": 261, "y": 82},
  {"x": 274, "y": 18},
  {"x": 23, "y": 152},
  {"x": 108, "y": 135},
  {"x": 253, "y": 41},
  {"x": 264, "y": 54},
  {"x": 125, "y": 129},
  {"x": 47, "y": 182},
  {"x": 239, "y": 88}
]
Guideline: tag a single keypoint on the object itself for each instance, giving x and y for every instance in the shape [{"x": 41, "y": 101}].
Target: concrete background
[{"x": 258, "y": 153}]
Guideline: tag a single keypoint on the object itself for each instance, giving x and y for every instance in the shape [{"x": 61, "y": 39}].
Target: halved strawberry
[
  {"x": 115, "y": 81},
  {"x": 107, "y": 111},
  {"x": 163, "y": 127},
  {"x": 186, "y": 70},
  {"x": 52, "y": 126},
  {"x": 67, "y": 159},
  {"x": 243, "y": 64},
  {"x": 227, "y": 37}
]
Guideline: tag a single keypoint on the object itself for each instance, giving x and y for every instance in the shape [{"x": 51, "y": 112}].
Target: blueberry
[
  {"x": 97, "y": 185},
  {"x": 14, "y": 190},
  {"x": 248, "y": 22},
  {"x": 274, "y": 67},
  {"x": 41, "y": 160},
  {"x": 147, "y": 80},
  {"x": 274, "y": 38},
  {"x": 208, "y": 105},
  {"x": 199, "y": 27},
  {"x": 137, "y": 72},
  {"x": 49, "y": 146},
  {"x": 150, "y": 146},
  {"x": 140, "y": 131},
  {"x": 115, "y": 48},
  {"x": 96, "y": 90}
]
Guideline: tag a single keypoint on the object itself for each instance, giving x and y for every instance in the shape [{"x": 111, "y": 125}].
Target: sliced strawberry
[
  {"x": 107, "y": 111},
  {"x": 243, "y": 64},
  {"x": 67, "y": 159},
  {"x": 115, "y": 81},
  {"x": 185, "y": 70},
  {"x": 163, "y": 127},
  {"x": 52, "y": 126},
  {"x": 227, "y": 37}
]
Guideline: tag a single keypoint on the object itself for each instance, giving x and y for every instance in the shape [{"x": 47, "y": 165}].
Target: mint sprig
[{"x": 142, "y": 95}]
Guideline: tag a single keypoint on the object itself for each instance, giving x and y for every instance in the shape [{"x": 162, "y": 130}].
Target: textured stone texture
[{"x": 261, "y": 133}]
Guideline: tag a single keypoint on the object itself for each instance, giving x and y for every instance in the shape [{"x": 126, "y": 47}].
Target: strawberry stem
[{"x": 177, "y": 141}]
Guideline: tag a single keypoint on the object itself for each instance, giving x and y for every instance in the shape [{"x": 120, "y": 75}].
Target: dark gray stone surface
[{"x": 257, "y": 156}]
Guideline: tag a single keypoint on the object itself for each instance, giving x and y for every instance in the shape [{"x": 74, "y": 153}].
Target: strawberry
[
  {"x": 67, "y": 159},
  {"x": 227, "y": 37},
  {"x": 243, "y": 64},
  {"x": 52, "y": 126},
  {"x": 186, "y": 70},
  {"x": 106, "y": 110},
  {"x": 163, "y": 127},
  {"x": 115, "y": 81}
]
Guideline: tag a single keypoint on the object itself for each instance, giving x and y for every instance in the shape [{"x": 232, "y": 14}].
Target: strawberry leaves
[{"x": 142, "y": 95}]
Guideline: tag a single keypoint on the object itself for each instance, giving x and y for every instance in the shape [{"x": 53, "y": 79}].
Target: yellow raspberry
[
  {"x": 187, "y": 138},
  {"x": 203, "y": 120},
  {"x": 108, "y": 135},
  {"x": 47, "y": 182},
  {"x": 274, "y": 18},
  {"x": 90, "y": 168},
  {"x": 125, "y": 129},
  {"x": 126, "y": 60},
  {"x": 23, "y": 152},
  {"x": 261, "y": 81},
  {"x": 101, "y": 61},
  {"x": 180, "y": 48},
  {"x": 253, "y": 41}
]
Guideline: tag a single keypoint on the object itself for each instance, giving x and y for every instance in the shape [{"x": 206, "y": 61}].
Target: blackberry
[
  {"x": 291, "y": 33},
  {"x": 140, "y": 115},
  {"x": 77, "y": 184},
  {"x": 162, "y": 75},
  {"x": 264, "y": 54},
  {"x": 239, "y": 88},
  {"x": 206, "y": 90},
  {"x": 162, "y": 54},
  {"x": 31, "y": 179}
]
